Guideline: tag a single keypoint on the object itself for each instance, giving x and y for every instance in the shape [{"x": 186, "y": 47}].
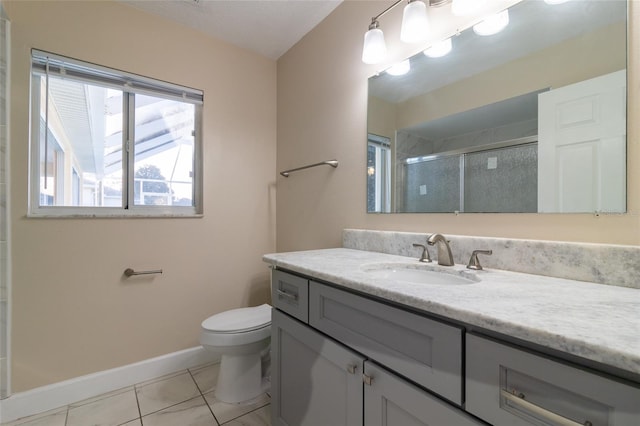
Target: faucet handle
[
  {"x": 474, "y": 263},
  {"x": 424, "y": 257}
]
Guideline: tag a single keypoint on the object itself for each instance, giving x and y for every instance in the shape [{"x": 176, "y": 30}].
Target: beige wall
[
  {"x": 73, "y": 313},
  {"x": 322, "y": 107}
]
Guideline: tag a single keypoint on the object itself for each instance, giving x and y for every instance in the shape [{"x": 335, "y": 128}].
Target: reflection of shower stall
[
  {"x": 498, "y": 177},
  {"x": 4, "y": 203}
]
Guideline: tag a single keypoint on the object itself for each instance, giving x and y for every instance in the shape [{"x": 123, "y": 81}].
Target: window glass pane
[
  {"x": 80, "y": 144},
  {"x": 164, "y": 149}
]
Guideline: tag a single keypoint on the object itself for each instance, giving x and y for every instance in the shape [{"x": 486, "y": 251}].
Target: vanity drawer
[
  {"x": 290, "y": 294},
  {"x": 425, "y": 351},
  {"x": 507, "y": 385}
]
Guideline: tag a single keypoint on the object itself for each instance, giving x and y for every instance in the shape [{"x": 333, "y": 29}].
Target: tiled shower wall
[{"x": 4, "y": 200}]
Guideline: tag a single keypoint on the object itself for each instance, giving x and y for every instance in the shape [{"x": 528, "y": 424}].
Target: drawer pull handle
[
  {"x": 290, "y": 296},
  {"x": 517, "y": 399}
]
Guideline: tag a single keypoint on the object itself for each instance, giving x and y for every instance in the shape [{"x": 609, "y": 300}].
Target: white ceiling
[{"x": 268, "y": 27}]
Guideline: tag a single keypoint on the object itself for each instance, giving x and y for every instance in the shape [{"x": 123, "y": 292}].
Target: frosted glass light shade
[
  {"x": 374, "y": 47},
  {"x": 439, "y": 49},
  {"x": 400, "y": 68},
  {"x": 493, "y": 24},
  {"x": 555, "y": 1},
  {"x": 415, "y": 24},
  {"x": 466, "y": 7}
]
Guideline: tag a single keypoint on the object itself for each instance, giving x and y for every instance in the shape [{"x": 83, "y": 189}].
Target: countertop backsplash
[{"x": 599, "y": 263}]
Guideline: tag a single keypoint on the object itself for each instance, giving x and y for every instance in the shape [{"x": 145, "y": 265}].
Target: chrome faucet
[{"x": 445, "y": 258}]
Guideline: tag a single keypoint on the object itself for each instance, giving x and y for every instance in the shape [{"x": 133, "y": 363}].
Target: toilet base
[{"x": 240, "y": 378}]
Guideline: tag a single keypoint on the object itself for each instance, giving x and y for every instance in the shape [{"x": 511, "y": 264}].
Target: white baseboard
[{"x": 59, "y": 394}]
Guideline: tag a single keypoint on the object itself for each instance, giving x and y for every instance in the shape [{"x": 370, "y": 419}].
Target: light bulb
[
  {"x": 466, "y": 7},
  {"x": 439, "y": 49},
  {"x": 374, "y": 47},
  {"x": 415, "y": 24},
  {"x": 493, "y": 24},
  {"x": 400, "y": 68}
]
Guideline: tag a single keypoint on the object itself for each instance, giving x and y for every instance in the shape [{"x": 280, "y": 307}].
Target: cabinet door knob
[
  {"x": 351, "y": 368},
  {"x": 367, "y": 380}
]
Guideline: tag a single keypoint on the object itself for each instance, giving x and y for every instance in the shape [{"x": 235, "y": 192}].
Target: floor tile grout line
[
  {"x": 170, "y": 406},
  {"x": 245, "y": 414},
  {"x": 205, "y": 399},
  {"x": 195, "y": 381},
  {"x": 135, "y": 390}
]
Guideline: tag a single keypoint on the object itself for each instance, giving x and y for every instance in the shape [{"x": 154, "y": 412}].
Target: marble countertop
[{"x": 592, "y": 321}]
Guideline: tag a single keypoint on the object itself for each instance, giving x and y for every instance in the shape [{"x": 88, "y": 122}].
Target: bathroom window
[{"x": 110, "y": 143}]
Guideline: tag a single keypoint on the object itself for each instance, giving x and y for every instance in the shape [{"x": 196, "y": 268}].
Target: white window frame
[{"x": 130, "y": 84}]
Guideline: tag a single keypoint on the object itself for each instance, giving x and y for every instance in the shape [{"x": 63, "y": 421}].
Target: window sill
[{"x": 71, "y": 213}]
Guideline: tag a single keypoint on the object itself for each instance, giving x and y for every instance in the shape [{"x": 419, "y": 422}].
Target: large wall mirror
[{"x": 531, "y": 119}]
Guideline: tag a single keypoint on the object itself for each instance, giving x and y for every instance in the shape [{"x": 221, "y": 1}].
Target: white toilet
[{"x": 242, "y": 337}]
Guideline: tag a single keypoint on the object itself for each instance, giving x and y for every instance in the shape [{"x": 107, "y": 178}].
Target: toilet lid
[{"x": 239, "y": 320}]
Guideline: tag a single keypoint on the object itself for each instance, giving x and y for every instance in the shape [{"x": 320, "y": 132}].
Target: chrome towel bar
[
  {"x": 332, "y": 163},
  {"x": 129, "y": 272}
]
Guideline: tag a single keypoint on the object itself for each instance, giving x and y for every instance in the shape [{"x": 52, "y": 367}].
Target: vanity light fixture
[
  {"x": 466, "y": 7},
  {"x": 374, "y": 46},
  {"x": 401, "y": 68},
  {"x": 555, "y": 1},
  {"x": 493, "y": 24},
  {"x": 439, "y": 49},
  {"x": 415, "y": 27},
  {"x": 415, "y": 24}
]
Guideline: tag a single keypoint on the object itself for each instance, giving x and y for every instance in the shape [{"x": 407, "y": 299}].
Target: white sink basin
[{"x": 420, "y": 274}]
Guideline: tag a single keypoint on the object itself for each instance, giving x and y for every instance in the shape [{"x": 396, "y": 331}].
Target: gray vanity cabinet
[
  {"x": 315, "y": 381},
  {"x": 392, "y": 401},
  {"x": 510, "y": 386},
  {"x": 356, "y": 378}
]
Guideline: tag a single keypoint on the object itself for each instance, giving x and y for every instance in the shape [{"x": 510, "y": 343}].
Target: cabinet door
[
  {"x": 510, "y": 386},
  {"x": 392, "y": 401},
  {"x": 315, "y": 381}
]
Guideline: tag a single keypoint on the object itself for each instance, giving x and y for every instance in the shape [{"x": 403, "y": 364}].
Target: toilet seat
[
  {"x": 240, "y": 326},
  {"x": 241, "y": 320}
]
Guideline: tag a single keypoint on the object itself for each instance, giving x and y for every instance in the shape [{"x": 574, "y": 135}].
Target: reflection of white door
[{"x": 582, "y": 146}]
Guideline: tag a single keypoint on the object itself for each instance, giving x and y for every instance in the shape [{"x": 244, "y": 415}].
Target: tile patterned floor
[{"x": 184, "y": 398}]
